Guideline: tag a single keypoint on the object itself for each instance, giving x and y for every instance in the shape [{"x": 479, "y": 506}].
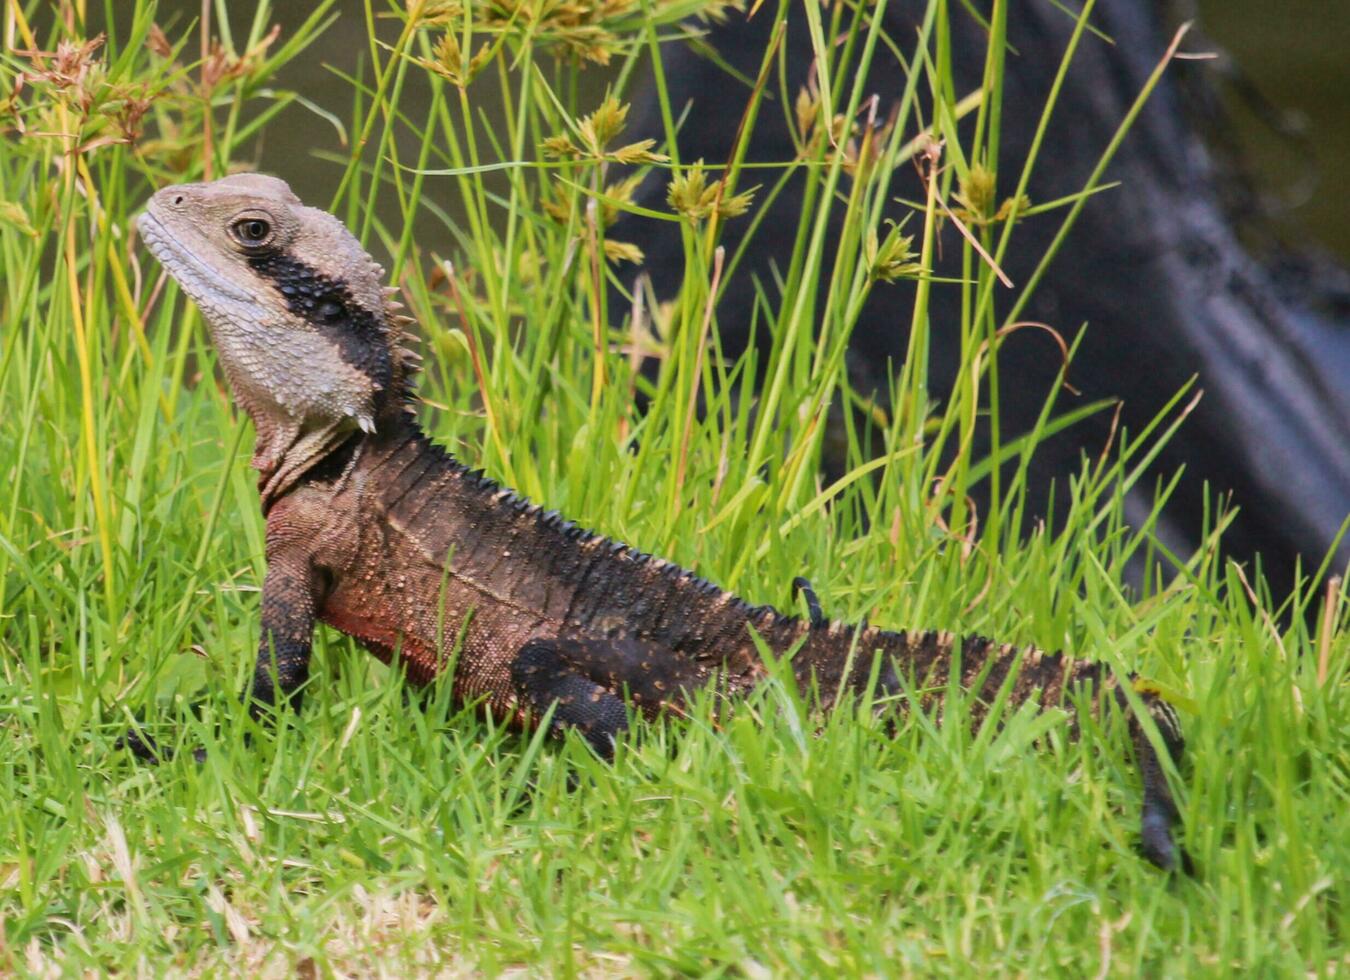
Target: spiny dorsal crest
[{"x": 404, "y": 342}]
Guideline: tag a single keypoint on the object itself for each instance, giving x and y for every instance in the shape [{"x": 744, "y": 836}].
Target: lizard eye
[{"x": 252, "y": 232}]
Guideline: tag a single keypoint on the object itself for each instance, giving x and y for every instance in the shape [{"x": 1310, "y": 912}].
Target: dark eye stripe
[{"x": 360, "y": 335}]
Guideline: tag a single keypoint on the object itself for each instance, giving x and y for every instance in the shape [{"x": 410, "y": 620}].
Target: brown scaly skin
[{"x": 383, "y": 535}]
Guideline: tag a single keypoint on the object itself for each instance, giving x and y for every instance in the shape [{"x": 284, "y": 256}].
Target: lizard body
[{"x": 375, "y": 530}]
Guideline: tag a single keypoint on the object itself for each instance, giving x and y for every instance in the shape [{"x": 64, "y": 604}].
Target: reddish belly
[{"x": 382, "y": 641}]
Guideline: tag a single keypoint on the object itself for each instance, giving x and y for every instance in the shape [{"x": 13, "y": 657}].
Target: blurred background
[
  {"x": 1163, "y": 270},
  {"x": 1289, "y": 55}
]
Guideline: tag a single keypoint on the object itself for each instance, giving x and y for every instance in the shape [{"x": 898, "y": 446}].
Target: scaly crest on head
[{"x": 307, "y": 334}]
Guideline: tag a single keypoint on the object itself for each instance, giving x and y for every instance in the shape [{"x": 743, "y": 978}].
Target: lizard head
[{"x": 302, "y": 323}]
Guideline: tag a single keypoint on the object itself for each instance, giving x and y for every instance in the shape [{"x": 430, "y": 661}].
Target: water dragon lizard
[{"x": 375, "y": 530}]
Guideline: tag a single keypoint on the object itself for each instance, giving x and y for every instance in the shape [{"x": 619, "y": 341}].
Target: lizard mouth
[{"x": 196, "y": 276}]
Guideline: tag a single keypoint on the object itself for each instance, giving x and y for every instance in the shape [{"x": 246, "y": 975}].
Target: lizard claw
[
  {"x": 144, "y": 747},
  {"x": 147, "y": 750}
]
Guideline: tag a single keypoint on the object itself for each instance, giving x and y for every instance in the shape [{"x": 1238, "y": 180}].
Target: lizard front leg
[
  {"x": 292, "y": 594},
  {"x": 281, "y": 669}
]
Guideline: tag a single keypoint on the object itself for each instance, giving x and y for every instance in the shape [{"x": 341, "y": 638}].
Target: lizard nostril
[{"x": 178, "y": 199}]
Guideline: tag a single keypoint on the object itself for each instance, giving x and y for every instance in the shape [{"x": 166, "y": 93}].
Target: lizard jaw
[{"x": 196, "y": 277}]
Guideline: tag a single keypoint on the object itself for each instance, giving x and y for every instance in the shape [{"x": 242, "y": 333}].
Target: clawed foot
[
  {"x": 147, "y": 749},
  {"x": 143, "y": 747}
]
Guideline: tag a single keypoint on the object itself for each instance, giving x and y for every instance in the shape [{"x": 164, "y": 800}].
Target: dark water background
[{"x": 1296, "y": 53}]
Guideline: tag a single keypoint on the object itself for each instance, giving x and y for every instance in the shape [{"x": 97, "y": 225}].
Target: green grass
[{"x": 370, "y": 836}]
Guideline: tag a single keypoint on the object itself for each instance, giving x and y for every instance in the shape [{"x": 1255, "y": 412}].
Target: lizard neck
[{"x": 286, "y": 458}]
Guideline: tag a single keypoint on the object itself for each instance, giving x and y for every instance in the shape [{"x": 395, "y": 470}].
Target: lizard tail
[{"x": 930, "y": 658}]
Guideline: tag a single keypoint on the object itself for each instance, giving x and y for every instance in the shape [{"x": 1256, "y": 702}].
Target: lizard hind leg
[
  {"x": 589, "y": 680},
  {"x": 544, "y": 674}
]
